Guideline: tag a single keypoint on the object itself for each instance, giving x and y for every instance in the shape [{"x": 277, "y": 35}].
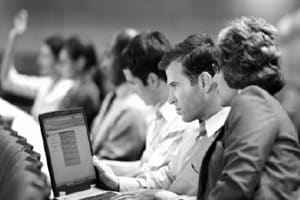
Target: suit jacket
[{"x": 257, "y": 155}]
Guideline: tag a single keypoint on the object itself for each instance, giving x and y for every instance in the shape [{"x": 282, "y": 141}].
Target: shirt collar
[{"x": 215, "y": 122}]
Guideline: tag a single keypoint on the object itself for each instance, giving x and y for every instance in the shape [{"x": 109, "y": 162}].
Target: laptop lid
[{"x": 68, "y": 151}]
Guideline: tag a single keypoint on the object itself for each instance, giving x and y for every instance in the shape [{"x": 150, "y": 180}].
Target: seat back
[{"x": 20, "y": 169}]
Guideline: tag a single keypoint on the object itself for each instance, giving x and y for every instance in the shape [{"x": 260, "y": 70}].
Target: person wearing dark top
[
  {"x": 257, "y": 154},
  {"x": 77, "y": 62}
]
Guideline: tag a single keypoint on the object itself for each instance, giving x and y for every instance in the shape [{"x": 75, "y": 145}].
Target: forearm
[
  {"x": 7, "y": 61},
  {"x": 124, "y": 168},
  {"x": 159, "y": 179}
]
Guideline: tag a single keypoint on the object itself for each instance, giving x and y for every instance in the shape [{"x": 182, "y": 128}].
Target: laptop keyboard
[{"x": 103, "y": 196}]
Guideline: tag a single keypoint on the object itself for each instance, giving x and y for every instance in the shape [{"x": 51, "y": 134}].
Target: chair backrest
[{"x": 20, "y": 169}]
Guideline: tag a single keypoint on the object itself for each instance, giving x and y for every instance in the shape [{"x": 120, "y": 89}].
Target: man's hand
[
  {"x": 20, "y": 23},
  {"x": 107, "y": 176}
]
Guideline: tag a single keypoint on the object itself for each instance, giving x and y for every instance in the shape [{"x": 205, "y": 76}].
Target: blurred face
[
  {"x": 188, "y": 99},
  {"x": 145, "y": 92},
  {"x": 226, "y": 93},
  {"x": 65, "y": 65},
  {"x": 46, "y": 61}
]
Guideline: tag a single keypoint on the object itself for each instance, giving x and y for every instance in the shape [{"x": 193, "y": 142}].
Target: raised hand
[{"x": 20, "y": 23}]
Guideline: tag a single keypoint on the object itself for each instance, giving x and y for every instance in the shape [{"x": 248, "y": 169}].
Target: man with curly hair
[{"x": 257, "y": 155}]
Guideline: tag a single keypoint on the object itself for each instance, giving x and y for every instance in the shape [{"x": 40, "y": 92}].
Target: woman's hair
[
  {"x": 250, "y": 55},
  {"x": 77, "y": 49},
  {"x": 55, "y": 43}
]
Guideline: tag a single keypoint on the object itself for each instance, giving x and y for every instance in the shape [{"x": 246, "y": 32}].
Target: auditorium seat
[{"x": 20, "y": 169}]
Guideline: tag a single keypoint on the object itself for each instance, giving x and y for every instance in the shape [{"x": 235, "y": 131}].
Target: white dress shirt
[
  {"x": 164, "y": 134},
  {"x": 179, "y": 176}
]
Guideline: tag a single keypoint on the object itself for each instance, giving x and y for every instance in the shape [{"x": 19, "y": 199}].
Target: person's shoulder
[
  {"x": 254, "y": 91},
  {"x": 89, "y": 87},
  {"x": 252, "y": 101},
  {"x": 251, "y": 96},
  {"x": 87, "y": 91}
]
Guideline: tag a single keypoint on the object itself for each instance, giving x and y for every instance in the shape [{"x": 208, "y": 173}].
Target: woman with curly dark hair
[{"x": 257, "y": 155}]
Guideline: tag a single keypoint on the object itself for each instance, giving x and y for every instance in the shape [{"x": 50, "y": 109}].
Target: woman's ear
[
  {"x": 205, "y": 81},
  {"x": 153, "y": 80}
]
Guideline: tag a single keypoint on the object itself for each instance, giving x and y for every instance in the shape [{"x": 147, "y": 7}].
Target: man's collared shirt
[
  {"x": 164, "y": 135},
  {"x": 178, "y": 176}
]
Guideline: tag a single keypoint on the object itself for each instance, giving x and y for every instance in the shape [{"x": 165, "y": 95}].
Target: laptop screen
[{"x": 69, "y": 149}]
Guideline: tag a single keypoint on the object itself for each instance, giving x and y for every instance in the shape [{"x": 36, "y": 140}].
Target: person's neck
[
  {"x": 162, "y": 94},
  {"x": 84, "y": 77},
  {"x": 212, "y": 108},
  {"x": 123, "y": 90},
  {"x": 56, "y": 77}
]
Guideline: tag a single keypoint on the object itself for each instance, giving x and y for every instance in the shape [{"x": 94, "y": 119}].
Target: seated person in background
[
  {"x": 257, "y": 155},
  {"x": 47, "y": 90},
  {"x": 118, "y": 131},
  {"x": 190, "y": 67},
  {"x": 166, "y": 130},
  {"x": 289, "y": 35},
  {"x": 77, "y": 62}
]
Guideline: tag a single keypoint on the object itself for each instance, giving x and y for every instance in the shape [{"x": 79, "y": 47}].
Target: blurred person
[
  {"x": 166, "y": 130},
  {"x": 194, "y": 93},
  {"x": 78, "y": 62},
  {"x": 289, "y": 35},
  {"x": 257, "y": 155},
  {"x": 47, "y": 90},
  {"x": 118, "y": 131}
]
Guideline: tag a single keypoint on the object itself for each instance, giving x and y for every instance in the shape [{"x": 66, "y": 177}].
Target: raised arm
[
  {"x": 20, "y": 25},
  {"x": 11, "y": 80}
]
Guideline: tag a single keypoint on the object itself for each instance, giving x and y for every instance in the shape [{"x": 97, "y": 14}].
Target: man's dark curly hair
[
  {"x": 250, "y": 55},
  {"x": 197, "y": 54},
  {"x": 144, "y": 53}
]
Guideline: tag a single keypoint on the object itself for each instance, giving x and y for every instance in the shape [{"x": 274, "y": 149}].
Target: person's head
[
  {"x": 77, "y": 58},
  {"x": 249, "y": 55},
  {"x": 190, "y": 67},
  {"x": 49, "y": 54},
  {"x": 140, "y": 65},
  {"x": 111, "y": 62}
]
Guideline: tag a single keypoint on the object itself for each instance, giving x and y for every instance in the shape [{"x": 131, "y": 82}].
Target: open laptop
[{"x": 69, "y": 155}]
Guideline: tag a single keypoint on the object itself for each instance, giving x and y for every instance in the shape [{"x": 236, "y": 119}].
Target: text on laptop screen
[{"x": 69, "y": 149}]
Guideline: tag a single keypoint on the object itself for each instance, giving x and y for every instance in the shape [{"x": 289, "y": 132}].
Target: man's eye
[{"x": 173, "y": 87}]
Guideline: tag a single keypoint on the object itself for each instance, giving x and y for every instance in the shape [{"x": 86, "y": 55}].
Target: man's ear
[
  {"x": 205, "y": 81},
  {"x": 153, "y": 80}
]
